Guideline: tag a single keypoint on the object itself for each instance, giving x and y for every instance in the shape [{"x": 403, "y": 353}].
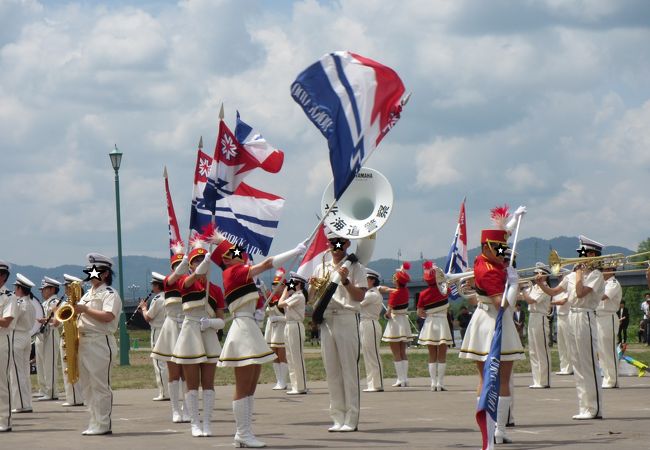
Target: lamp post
[{"x": 116, "y": 159}]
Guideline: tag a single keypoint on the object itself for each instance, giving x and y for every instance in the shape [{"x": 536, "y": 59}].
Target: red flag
[
  {"x": 314, "y": 255},
  {"x": 174, "y": 232}
]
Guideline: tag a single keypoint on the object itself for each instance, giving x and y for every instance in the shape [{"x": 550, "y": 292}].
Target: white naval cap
[
  {"x": 372, "y": 273},
  {"x": 99, "y": 260},
  {"x": 157, "y": 277},
  {"x": 71, "y": 278},
  {"x": 22, "y": 280},
  {"x": 49, "y": 282},
  {"x": 297, "y": 277},
  {"x": 589, "y": 244},
  {"x": 329, "y": 234},
  {"x": 542, "y": 268},
  {"x": 4, "y": 265}
]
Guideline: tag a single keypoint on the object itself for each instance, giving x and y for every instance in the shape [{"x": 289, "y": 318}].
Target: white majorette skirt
[
  {"x": 244, "y": 343},
  {"x": 167, "y": 339},
  {"x": 193, "y": 345},
  {"x": 398, "y": 328},
  {"x": 480, "y": 330},
  {"x": 275, "y": 339},
  {"x": 435, "y": 330}
]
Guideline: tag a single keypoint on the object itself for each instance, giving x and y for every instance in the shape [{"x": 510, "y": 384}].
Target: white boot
[
  {"x": 503, "y": 408},
  {"x": 208, "y": 405},
  {"x": 174, "y": 400},
  {"x": 433, "y": 373},
  {"x": 243, "y": 416},
  {"x": 398, "y": 373},
  {"x": 192, "y": 402},
  {"x": 284, "y": 374},
  {"x": 405, "y": 373},
  {"x": 185, "y": 413},
  {"x": 279, "y": 385},
  {"x": 440, "y": 386}
]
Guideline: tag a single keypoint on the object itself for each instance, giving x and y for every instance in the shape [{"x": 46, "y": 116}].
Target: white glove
[
  {"x": 259, "y": 315},
  {"x": 511, "y": 294},
  {"x": 283, "y": 258},
  {"x": 512, "y": 223},
  {"x": 273, "y": 319},
  {"x": 513, "y": 276},
  {"x": 181, "y": 269},
  {"x": 203, "y": 266},
  {"x": 217, "y": 324}
]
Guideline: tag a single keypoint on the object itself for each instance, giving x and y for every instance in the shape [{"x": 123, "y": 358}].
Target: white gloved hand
[
  {"x": 203, "y": 266},
  {"x": 513, "y": 276},
  {"x": 511, "y": 294},
  {"x": 283, "y": 258},
  {"x": 217, "y": 324},
  {"x": 512, "y": 223},
  {"x": 181, "y": 269},
  {"x": 273, "y": 319},
  {"x": 259, "y": 315}
]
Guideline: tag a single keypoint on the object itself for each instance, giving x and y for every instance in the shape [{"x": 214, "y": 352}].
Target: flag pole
[{"x": 512, "y": 259}]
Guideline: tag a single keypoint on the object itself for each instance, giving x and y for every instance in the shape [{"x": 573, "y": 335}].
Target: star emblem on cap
[
  {"x": 582, "y": 252},
  {"x": 236, "y": 251},
  {"x": 93, "y": 272}
]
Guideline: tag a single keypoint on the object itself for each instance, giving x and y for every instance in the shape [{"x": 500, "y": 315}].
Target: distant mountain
[{"x": 138, "y": 269}]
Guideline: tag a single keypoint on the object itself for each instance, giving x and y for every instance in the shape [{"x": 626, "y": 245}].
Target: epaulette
[{"x": 110, "y": 289}]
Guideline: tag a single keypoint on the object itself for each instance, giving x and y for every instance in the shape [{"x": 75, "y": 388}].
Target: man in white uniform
[
  {"x": 340, "y": 336},
  {"x": 99, "y": 310},
  {"x": 7, "y": 314},
  {"x": 73, "y": 392},
  {"x": 562, "y": 308},
  {"x": 48, "y": 350},
  {"x": 371, "y": 333},
  {"x": 293, "y": 303},
  {"x": 540, "y": 354},
  {"x": 155, "y": 316},
  {"x": 585, "y": 287},
  {"x": 608, "y": 322},
  {"x": 21, "y": 342}
]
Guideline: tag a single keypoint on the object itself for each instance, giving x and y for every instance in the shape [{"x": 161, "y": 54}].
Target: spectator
[
  {"x": 645, "y": 307},
  {"x": 463, "y": 320},
  {"x": 519, "y": 317},
  {"x": 624, "y": 320},
  {"x": 314, "y": 338},
  {"x": 450, "y": 319}
]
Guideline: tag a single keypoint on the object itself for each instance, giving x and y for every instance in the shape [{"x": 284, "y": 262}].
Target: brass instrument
[
  {"x": 460, "y": 279},
  {"x": 67, "y": 315},
  {"x": 556, "y": 262}
]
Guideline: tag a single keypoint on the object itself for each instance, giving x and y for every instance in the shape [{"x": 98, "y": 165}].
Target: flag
[
  {"x": 198, "y": 210},
  {"x": 172, "y": 223},
  {"x": 314, "y": 254},
  {"x": 233, "y": 161},
  {"x": 486, "y": 411},
  {"x": 354, "y": 102},
  {"x": 457, "y": 257}
]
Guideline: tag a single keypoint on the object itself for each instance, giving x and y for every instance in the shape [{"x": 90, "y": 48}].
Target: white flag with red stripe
[{"x": 314, "y": 255}]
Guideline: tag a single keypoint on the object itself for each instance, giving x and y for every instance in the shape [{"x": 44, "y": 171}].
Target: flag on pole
[
  {"x": 172, "y": 223},
  {"x": 457, "y": 257},
  {"x": 269, "y": 157},
  {"x": 314, "y": 254},
  {"x": 354, "y": 102},
  {"x": 486, "y": 411},
  {"x": 198, "y": 208}
]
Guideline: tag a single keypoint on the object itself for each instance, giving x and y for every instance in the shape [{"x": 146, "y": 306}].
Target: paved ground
[{"x": 411, "y": 417}]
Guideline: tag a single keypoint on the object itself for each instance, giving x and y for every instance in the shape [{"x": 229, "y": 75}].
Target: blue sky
[{"x": 542, "y": 103}]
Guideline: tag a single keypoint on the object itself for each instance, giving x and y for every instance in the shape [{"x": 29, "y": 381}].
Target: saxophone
[{"x": 67, "y": 315}]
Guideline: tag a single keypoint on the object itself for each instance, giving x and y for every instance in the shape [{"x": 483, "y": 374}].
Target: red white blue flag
[
  {"x": 172, "y": 223},
  {"x": 486, "y": 411},
  {"x": 353, "y": 101},
  {"x": 314, "y": 255},
  {"x": 457, "y": 257}
]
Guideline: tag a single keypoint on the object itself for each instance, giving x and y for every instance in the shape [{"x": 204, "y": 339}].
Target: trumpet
[
  {"x": 556, "y": 262},
  {"x": 444, "y": 279}
]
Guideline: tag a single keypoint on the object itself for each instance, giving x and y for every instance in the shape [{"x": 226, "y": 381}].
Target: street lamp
[
  {"x": 116, "y": 159},
  {"x": 133, "y": 288}
]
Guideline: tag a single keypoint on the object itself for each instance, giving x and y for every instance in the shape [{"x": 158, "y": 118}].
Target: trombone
[{"x": 556, "y": 262}]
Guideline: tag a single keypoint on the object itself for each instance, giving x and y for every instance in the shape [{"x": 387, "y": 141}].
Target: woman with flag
[{"x": 490, "y": 277}]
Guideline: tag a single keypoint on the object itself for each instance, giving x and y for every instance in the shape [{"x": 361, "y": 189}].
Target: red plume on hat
[
  {"x": 401, "y": 275},
  {"x": 429, "y": 271},
  {"x": 499, "y": 216},
  {"x": 279, "y": 275},
  {"x": 222, "y": 251},
  {"x": 178, "y": 251},
  {"x": 198, "y": 247}
]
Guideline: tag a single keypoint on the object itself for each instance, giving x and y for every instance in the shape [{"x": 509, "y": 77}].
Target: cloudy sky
[{"x": 542, "y": 103}]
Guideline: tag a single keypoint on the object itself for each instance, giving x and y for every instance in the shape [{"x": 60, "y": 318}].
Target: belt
[
  {"x": 92, "y": 334},
  {"x": 193, "y": 319},
  {"x": 604, "y": 313},
  {"x": 485, "y": 306},
  {"x": 243, "y": 314},
  {"x": 176, "y": 319},
  {"x": 369, "y": 318},
  {"x": 293, "y": 321},
  {"x": 339, "y": 312},
  {"x": 437, "y": 313},
  {"x": 576, "y": 310},
  {"x": 400, "y": 312}
]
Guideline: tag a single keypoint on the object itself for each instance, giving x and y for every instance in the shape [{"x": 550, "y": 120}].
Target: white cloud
[{"x": 437, "y": 163}]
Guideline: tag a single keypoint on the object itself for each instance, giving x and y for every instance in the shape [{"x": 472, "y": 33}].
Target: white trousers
[
  {"x": 294, "y": 342},
  {"x": 607, "y": 332},
  {"x": 21, "y": 383},
  {"x": 582, "y": 326},
  {"x": 563, "y": 336},
  {"x": 47, "y": 360},
  {"x": 96, "y": 354},
  {"x": 73, "y": 392},
  {"x": 340, "y": 350},
  {"x": 5, "y": 383},
  {"x": 540, "y": 354},
  {"x": 370, "y": 332},
  {"x": 159, "y": 367}
]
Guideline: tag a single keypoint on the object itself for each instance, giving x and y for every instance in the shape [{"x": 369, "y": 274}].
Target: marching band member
[
  {"x": 244, "y": 348},
  {"x": 73, "y": 392},
  {"x": 99, "y": 310},
  {"x": 171, "y": 327},
  {"x": 48, "y": 353},
  {"x": 398, "y": 328},
  {"x": 197, "y": 348},
  {"x": 274, "y": 332},
  {"x": 21, "y": 383},
  {"x": 539, "y": 351},
  {"x": 340, "y": 335},
  {"x": 607, "y": 324},
  {"x": 155, "y": 317},
  {"x": 435, "y": 333},
  {"x": 562, "y": 311},
  {"x": 490, "y": 276},
  {"x": 370, "y": 333},
  {"x": 8, "y": 312},
  {"x": 292, "y": 302},
  {"x": 585, "y": 287}
]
